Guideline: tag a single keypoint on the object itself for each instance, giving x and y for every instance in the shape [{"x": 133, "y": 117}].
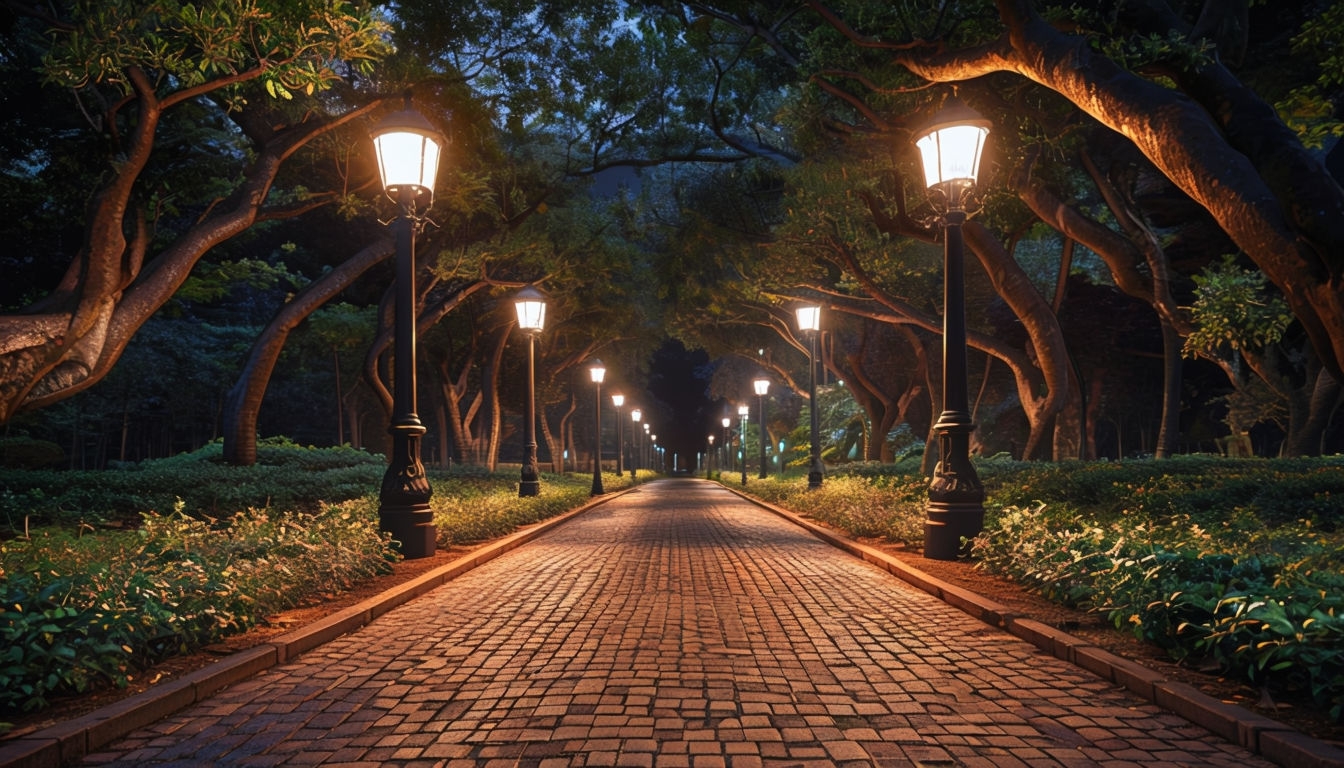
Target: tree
[{"x": 253, "y": 70}]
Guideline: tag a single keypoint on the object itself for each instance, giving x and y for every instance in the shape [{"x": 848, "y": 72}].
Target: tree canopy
[{"x": 693, "y": 169}]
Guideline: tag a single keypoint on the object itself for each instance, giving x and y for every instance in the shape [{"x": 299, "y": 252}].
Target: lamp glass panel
[
  {"x": 952, "y": 153},
  {"x": 809, "y": 318},
  {"x": 407, "y": 158},
  {"x": 531, "y": 314}
]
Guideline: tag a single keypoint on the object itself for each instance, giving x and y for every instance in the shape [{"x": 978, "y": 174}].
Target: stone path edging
[{"x": 1271, "y": 739}]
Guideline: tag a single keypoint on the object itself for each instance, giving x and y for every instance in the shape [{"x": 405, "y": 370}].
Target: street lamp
[
  {"x": 597, "y": 372},
  {"x": 809, "y": 322},
  {"x": 407, "y": 146},
  {"x": 618, "y": 401},
  {"x": 531, "y": 306},
  {"x": 727, "y": 446},
  {"x": 762, "y": 386},
  {"x": 635, "y": 415},
  {"x": 709, "y": 459},
  {"x": 950, "y": 150},
  {"x": 743, "y": 411},
  {"x": 645, "y": 444}
]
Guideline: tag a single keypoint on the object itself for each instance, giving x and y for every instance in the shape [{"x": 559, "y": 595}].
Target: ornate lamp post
[
  {"x": 743, "y": 412},
  {"x": 950, "y": 150},
  {"x": 762, "y": 386},
  {"x": 531, "y": 306},
  {"x": 809, "y": 322},
  {"x": 618, "y": 401},
  {"x": 597, "y": 372},
  {"x": 635, "y": 415},
  {"x": 407, "y": 146}
]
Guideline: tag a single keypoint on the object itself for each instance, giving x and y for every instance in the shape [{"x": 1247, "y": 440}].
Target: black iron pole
[
  {"x": 760, "y": 427},
  {"x": 597, "y": 489},
  {"x": 403, "y": 499},
  {"x": 742, "y": 428},
  {"x": 956, "y": 498},
  {"x": 620, "y": 443},
  {"x": 816, "y": 471},
  {"x": 530, "y": 483}
]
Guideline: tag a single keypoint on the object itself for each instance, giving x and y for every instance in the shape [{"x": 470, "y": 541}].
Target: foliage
[
  {"x": 1235, "y": 562},
  {"x": 478, "y": 507},
  {"x": 889, "y": 508},
  {"x": 1234, "y": 308},
  {"x": 84, "y": 610},
  {"x": 24, "y": 452},
  {"x": 200, "y": 484},
  {"x": 208, "y": 44}
]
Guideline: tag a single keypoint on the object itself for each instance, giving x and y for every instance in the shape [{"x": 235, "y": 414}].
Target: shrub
[{"x": 80, "y": 610}]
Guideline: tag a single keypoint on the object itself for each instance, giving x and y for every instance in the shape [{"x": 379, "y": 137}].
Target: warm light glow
[
  {"x": 635, "y": 414},
  {"x": 809, "y": 318},
  {"x": 597, "y": 371},
  {"x": 618, "y": 400},
  {"x": 647, "y": 426},
  {"x": 951, "y": 146},
  {"x": 726, "y": 422},
  {"x": 762, "y": 386},
  {"x": 711, "y": 439},
  {"x": 531, "y": 306},
  {"x": 407, "y": 146},
  {"x": 743, "y": 411}
]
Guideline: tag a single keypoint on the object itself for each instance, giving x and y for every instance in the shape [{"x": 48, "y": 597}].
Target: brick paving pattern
[{"x": 676, "y": 626}]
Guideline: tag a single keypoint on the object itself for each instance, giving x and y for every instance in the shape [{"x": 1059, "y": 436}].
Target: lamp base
[
  {"x": 529, "y": 488},
  {"x": 947, "y": 524},
  {"x": 412, "y": 526}
]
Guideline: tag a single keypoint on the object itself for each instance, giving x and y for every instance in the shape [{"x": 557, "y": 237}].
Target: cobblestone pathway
[{"x": 676, "y": 626}]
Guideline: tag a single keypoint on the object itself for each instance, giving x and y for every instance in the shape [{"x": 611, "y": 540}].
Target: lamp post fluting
[
  {"x": 407, "y": 148},
  {"x": 809, "y": 322},
  {"x": 743, "y": 413},
  {"x": 617, "y": 401},
  {"x": 950, "y": 151},
  {"x": 597, "y": 372},
  {"x": 531, "y": 306},
  {"x": 762, "y": 386}
]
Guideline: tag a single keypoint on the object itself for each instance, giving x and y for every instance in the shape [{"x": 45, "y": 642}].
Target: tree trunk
[
  {"x": 245, "y": 397},
  {"x": 1169, "y": 430}
]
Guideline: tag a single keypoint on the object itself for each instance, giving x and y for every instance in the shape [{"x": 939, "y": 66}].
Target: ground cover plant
[
  {"x": 1237, "y": 563},
  {"x": 89, "y": 600}
]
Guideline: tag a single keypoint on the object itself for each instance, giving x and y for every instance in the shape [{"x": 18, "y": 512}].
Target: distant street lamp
[
  {"x": 809, "y": 322},
  {"x": 709, "y": 459},
  {"x": 618, "y": 401},
  {"x": 646, "y": 446},
  {"x": 950, "y": 150},
  {"x": 407, "y": 146},
  {"x": 743, "y": 412},
  {"x": 727, "y": 446},
  {"x": 597, "y": 372},
  {"x": 531, "y": 306},
  {"x": 635, "y": 415},
  {"x": 762, "y": 386}
]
